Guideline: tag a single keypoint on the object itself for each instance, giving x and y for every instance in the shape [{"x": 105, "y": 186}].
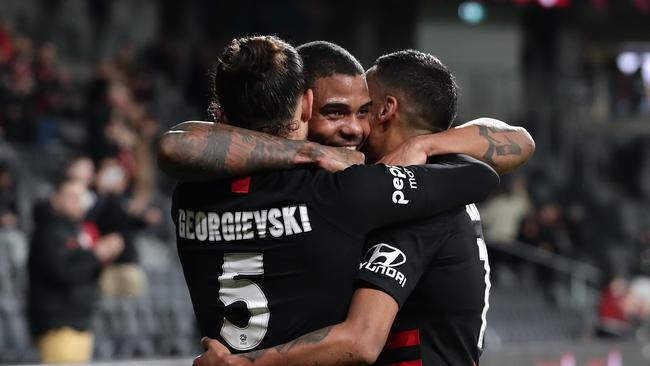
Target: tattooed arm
[
  {"x": 356, "y": 341},
  {"x": 195, "y": 151},
  {"x": 497, "y": 143}
]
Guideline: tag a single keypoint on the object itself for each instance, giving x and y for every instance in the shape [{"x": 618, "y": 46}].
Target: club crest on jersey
[{"x": 382, "y": 258}]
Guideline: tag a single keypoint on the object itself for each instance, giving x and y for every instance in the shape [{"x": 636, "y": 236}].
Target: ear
[
  {"x": 307, "y": 101},
  {"x": 387, "y": 111}
]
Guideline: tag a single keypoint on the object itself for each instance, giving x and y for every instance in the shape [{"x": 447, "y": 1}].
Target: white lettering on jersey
[
  {"x": 247, "y": 225},
  {"x": 260, "y": 222},
  {"x": 181, "y": 224},
  {"x": 243, "y": 225},
  {"x": 382, "y": 258},
  {"x": 201, "y": 226},
  {"x": 213, "y": 227},
  {"x": 290, "y": 223},
  {"x": 276, "y": 229},
  {"x": 189, "y": 225},
  {"x": 237, "y": 225},
  {"x": 304, "y": 218},
  {"x": 227, "y": 227},
  {"x": 400, "y": 174}
]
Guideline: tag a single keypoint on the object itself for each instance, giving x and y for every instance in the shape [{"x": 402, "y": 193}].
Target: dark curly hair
[{"x": 256, "y": 84}]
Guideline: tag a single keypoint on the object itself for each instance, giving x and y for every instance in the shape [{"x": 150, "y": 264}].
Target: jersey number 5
[{"x": 232, "y": 290}]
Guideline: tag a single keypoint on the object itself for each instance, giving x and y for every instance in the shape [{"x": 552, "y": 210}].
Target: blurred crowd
[
  {"x": 588, "y": 227},
  {"x": 78, "y": 185},
  {"x": 81, "y": 152}
]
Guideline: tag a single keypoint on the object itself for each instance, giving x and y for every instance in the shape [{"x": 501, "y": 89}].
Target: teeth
[{"x": 351, "y": 147}]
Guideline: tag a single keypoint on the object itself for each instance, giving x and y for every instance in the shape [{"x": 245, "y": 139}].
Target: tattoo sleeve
[
  {"x": 310, "y": 338},
  {"x": 204, "y": 151},
  {"x": 498, "y": 147},
  {"x": 502, "y": 146}
]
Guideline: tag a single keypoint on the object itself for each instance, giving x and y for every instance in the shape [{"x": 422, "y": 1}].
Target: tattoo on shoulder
[{"x": 498, "y": 147}]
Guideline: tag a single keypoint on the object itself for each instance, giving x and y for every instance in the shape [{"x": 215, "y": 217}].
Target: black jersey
[
  {"x": 437, "y": 270},
  {"x": 271, "y": 257}
]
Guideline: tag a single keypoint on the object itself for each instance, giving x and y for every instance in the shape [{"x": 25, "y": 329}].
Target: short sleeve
[{"x": 395, "y": 259}]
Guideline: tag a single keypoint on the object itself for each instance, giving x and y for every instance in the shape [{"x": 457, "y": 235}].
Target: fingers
[
  {"x": 199, "y": 361},
  {"x": 215, "y": 346},
  {"x": 215, "y": 353},
  {"x": 205, "y": 342}
]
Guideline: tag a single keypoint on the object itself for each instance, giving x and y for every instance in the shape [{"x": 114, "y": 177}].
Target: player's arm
[
  {"x": 497, "y": 143},
  {"x": 373, "y": 196},
  {"x": 195, "y": 151},
  {"x": 356, "y": 341}
]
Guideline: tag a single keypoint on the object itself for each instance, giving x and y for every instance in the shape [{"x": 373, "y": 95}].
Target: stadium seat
[
  {"x": 18, "y": 343},
  {"x": 3, "y": 347},
  {"x": 522, "y": 314},
  {"x": 104, "y": 349}
]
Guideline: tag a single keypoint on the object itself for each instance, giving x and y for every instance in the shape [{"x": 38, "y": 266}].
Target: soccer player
[
  {"x": 328, "y": 58},
  {"x": 271, "y": 257}
]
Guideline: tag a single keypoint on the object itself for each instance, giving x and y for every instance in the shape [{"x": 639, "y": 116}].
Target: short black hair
[
  {"x": 323, "y": 59},
  {"x": 256, "y": 83},
  {"x": 425, "y": 83}
]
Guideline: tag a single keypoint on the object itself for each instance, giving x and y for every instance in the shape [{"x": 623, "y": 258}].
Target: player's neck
[
  {"x": 394, "y": 138},
  {"x": 299, "y": 134},
  {"x": 413, "y": 132}
]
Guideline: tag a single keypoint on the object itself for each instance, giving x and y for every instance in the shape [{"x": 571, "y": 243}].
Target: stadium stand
[{"x": 601, "y": 168}]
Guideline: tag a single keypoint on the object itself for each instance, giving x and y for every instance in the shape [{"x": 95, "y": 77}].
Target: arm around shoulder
[
  {"x": 494, "y": 142},
  {"x": 196, "y": 151},
  {"x": 356, "y": 341}
]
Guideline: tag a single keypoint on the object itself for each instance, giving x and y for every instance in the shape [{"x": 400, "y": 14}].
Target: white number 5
[{"x": 231, "y": 290}]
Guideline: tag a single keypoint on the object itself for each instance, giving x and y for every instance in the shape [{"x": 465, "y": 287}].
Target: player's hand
[
  {"x": 410, "y": 152},
  {"x": 217, "y": 354},
  {"x": 335, "y": 159}
]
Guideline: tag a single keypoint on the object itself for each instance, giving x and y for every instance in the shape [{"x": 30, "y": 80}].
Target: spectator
[
  {"x": 81, "y": 168},
  {"x": 116, "y": 211},
  {"x": 6, "y": 43},
  {"x": 11, "y": 234},
  {"x": 65, "y": 260},
  {"x": 502, "y": 214},
  {"x": 612, "y": 319}
]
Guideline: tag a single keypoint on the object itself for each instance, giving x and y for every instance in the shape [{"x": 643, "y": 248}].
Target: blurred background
[{"x": 87, "y": 86}]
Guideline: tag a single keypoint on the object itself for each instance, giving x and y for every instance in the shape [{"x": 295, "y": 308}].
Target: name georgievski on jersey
[{"x": 242, "y": 225}]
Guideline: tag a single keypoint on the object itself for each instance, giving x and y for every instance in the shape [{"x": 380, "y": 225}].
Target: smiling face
[
  {"x": 372, "y": 147},
  {"x": 340, "y": 111}
]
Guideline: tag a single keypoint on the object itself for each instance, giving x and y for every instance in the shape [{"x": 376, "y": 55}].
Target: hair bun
[{"x": 254, "y": 57}]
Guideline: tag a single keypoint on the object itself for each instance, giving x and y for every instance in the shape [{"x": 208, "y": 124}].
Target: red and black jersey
[
  {"x": 437, "y": 270},
  {"x": 274, "y": 256}
]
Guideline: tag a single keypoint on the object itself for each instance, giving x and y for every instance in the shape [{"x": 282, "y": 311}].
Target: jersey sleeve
[
  {"x": 395, "y": 259},
  {"x": 367, "y": 197}
]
